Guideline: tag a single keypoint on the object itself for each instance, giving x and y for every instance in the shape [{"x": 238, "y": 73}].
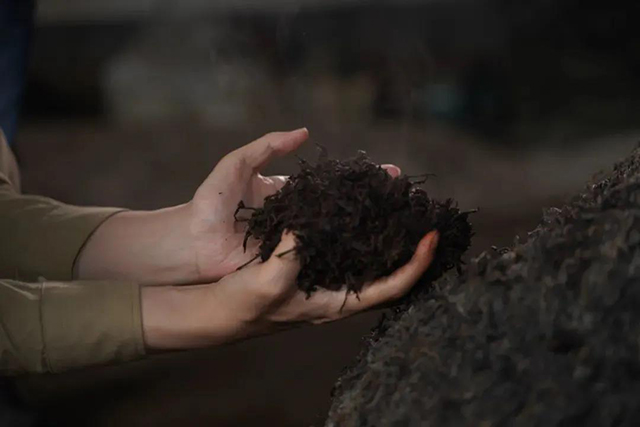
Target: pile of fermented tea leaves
[
  {"x": 545, "y": 334},
  {"x": 354, "y": 223}
]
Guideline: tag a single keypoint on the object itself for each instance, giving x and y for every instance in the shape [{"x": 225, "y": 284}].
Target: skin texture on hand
[
  {"x": 236, "y": 178},
  {"x": 218, "y": 237},
  {"x": 198, "y": 242},
  {"x": 263, "y": 298}
]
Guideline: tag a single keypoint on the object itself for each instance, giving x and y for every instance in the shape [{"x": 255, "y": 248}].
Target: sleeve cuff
[
  {"x": 45, "y": 236},
  {"x": 89, "y": 323}
]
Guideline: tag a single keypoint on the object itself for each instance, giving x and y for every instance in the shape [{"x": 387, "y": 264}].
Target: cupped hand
[
  {"x": 199, "y": 241},
  {"x": 218, "y": 238},
  {"x": 264, "y": 298}
]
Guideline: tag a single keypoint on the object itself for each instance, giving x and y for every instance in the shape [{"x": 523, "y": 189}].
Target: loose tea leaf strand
[{"x": 354, "y": 223}]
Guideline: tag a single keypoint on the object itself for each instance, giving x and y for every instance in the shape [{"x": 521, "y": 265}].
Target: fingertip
[
  {"x": 427, "y": 246},
  {"x": 435, "y": 239},
  {"x": 300, "y": 134},
  {"x": 287, "y": 237},
  {"x": 295, "y": 139},
  {"x": 303, "y": 131},
  {"x": 392, "y": 170},
  {"x": 283, "y": 262},
  {"x": 287, "y": 244}
]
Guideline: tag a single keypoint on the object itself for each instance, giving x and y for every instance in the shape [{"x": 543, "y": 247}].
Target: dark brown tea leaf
[
  {"x": 543, "y": 334},
  {"x": 355, "y": 223}
]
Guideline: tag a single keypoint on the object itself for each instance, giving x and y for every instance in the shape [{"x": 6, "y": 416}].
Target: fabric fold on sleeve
[
  {"x": 57, "y": 326},
  {"x": 42, "y": 237}
]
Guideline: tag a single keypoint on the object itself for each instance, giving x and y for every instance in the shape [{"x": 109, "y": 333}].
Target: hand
[
  {"x": 197, "y": 242},
  {"x": 218, "y": 238},
  {"x": 263, "y": 298}
]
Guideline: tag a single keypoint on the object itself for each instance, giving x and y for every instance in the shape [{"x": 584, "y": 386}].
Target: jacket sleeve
[
  {"x": 40, "y": 237},
  {"x": 55, "y": 326},
  {"x": 47, "y": 325}
]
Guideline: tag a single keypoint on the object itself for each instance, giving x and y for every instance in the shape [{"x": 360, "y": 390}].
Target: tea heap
[
  {"x": 355, "y": 223},
  {"x": 545, "y": 334}
]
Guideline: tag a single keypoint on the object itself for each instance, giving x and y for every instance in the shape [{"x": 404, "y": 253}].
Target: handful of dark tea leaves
[{"x": 354, "y": 223}]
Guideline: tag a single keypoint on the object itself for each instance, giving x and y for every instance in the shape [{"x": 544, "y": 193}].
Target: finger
[
  {"x": 264, "y": 186},
  {"x": 392, "y": 170},
  {"x": 235, "y": 170},
  {"x": 278, "y": 182},
  {"x": 283, "y": 266},
  {"x": 401, "y": 281},
  {"x": 258, "y": 153},
  {"x": 268, "y": 185}
]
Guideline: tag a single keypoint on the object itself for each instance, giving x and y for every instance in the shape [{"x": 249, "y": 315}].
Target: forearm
[
  {"x": 187, "y": 317},
  {"x": 153, "y": 247},
  {"x": 57, "y": 326}
]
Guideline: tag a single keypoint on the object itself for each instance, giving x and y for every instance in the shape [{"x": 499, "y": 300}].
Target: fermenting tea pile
[{"x": 545, "y": 334}]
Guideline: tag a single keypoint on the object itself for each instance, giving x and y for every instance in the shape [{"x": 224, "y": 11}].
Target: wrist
[
  {"x": 170, "y": 319},
  {"x": 143, "y": 246},
  {"x": 186, "y": 317}
]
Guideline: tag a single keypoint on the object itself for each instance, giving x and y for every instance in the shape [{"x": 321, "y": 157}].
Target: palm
[
  {"x": 264, "y": 297},
  {"x": 222, "y": 249},
  {"x": 219, "y": 238}
]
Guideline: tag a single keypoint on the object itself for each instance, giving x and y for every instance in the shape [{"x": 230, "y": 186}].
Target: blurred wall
[{"x": 52, "y": 10}]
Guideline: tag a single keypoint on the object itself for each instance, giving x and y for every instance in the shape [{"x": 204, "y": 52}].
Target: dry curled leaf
[{"x": 355, "y": 223}]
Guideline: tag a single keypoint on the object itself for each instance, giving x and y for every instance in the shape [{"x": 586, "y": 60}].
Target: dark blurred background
[{"x": 513, "y": 104}]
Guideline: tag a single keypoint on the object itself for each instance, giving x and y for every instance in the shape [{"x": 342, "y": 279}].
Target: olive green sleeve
[
  {"x": 40, "y": 237},
  {"x": 48, "y": 326},
  {"x": 55, "y": 326}
]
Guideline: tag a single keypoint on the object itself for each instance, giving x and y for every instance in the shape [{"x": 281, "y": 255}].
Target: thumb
[
  {"x": 400, "y": 282},
  {"x": 283, "y": 266},
  {"x": 392, "y": 170}
]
